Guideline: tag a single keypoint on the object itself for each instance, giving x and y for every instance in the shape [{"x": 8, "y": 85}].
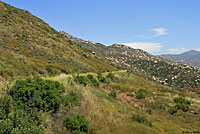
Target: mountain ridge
[
  {"x": 155, "y": 68},
  {"x": 191, "y": 58}
]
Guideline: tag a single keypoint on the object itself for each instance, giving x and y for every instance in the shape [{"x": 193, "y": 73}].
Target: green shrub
[
  {"x": 22, "y": 122},
  {"x": 101, "y": 78},
  {"x": 6, "y": 126},
  {"x": 183, "y": 107},
  {"x": 81, "y": 80},
  {"x": 93, "y": 80},
  {"x": 173, "y": 110},
  {"x": 71, "y": 100},
  {"x": 113, "y": 94},
  {"x": 76, "y": 124},
  {"x": 4, "y": 107},
  {"x": 111, "y": 76},
  {"x": 141, "y": 119},
  {"x": 181, "y": 100},
  {"x": 38, "y": 93},
  {"x": 180, "y": 104},
  {"x": 141, "y": 94}
]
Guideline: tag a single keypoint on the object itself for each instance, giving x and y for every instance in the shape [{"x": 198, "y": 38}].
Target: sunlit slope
[{"x": 29, "y": 46}]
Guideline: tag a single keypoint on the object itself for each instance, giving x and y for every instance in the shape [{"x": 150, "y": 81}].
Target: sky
[{"x": 156, "y": 26}]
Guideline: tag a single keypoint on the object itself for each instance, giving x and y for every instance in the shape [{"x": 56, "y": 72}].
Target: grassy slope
[
  {"x": 30, "y": 47},
  {"x": 113, "y": 116}
]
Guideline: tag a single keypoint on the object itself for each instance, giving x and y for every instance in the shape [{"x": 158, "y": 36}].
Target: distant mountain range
[
  {"x": 154, "y": 67},
  {"x": 191, "y": 58}
]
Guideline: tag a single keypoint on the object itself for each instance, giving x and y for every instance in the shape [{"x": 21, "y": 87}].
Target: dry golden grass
[{"x": 113, "y": 116}]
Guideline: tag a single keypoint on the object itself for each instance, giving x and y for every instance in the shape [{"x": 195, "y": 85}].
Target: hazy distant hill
[
  {"x": 158, "y": 68},
  {"x": 191, "y": 57}
]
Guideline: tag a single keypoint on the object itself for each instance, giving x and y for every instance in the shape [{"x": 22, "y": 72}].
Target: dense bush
[
  {"x": 22, "y": 122},
  {"x": 76, "y": 124},
  {"x": 180, "y": 104},
  {"x": 71, "y": 100},
  {"x": 181, "y": 100},
  {"x": 6, "y": 126},
  {"x": 37, "y": 93},
  {"x": 141, "y": 119},
  {"x": 141, "y": 94},
  {"x": 101, "y": 78},
  {"x": 93, "y": 80},
  {"x": 4, "y": 107}
]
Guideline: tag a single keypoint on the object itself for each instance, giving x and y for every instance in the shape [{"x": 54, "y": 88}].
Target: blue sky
[{"x": 157, "y": 26}]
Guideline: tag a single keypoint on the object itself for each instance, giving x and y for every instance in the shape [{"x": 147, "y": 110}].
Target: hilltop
[{"x": 191, "y": 58}]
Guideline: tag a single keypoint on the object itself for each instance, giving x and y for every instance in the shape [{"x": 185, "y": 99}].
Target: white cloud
[
  {"x": 159, "y": 31},
  {"x": 176, "y": 50},
  {"x": 147, "y": 46}
]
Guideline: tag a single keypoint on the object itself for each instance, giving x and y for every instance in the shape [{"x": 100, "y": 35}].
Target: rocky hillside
[
  {"x": 191, "y": 58},
  {"x": 30, "y": 47},
  {"x": 157, "y": 68}
]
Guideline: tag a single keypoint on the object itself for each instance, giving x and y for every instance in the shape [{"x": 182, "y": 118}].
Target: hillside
[
  {"x": 154, "y": 67},
  {"x": 30, "y": 47},
  {"x": 121, "y": 104},
  {"x": 191, "y": 58},
  {"x": 56, "y": 84}
]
